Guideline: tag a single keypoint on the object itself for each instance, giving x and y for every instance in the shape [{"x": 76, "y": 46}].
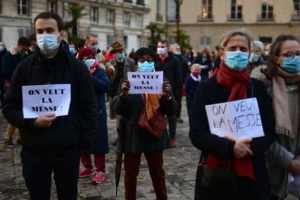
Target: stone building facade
[
  {"x": 205, "y": 21},
  {"x": 110, "y": 20}
]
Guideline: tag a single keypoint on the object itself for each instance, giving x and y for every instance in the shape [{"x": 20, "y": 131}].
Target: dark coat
[
  {"x": 101, "y": 85},
  {"x": 172, "y": 72},
  {"x": 219, "y": 147},
  {"x": 190, "y": 90},
  {"x": 135, "y": 140},
  {"x": 204, "y": 61},
  {"x": 79, "y": 126},
  {"x": 10, "y": 61},
  {"x": 2, "y": 53},
  {"x": 185, "y": 70}
]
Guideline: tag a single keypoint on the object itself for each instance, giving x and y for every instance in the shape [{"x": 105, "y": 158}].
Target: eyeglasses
[{"x": 291, "y": 55}]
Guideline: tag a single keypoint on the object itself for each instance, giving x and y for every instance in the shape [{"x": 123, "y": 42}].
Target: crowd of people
[{"x": 229, "y": 168}]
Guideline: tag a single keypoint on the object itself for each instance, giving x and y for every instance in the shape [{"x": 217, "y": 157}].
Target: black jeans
[
  {"x": 172, "y": 126},
  {"x": 1, "y": 90},
  {"x": 38, "y": 166}
]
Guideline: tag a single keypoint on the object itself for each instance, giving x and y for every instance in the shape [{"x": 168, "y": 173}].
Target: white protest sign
[
  {"x": 240, "y": 119},
  {"x": 46, "y": 99},
  {"x": 145, "y": 82},
  {"x": 293, "y": 187}
]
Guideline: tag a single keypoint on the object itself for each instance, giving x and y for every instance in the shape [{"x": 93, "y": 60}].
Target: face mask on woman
[
  {"x": 47, "y": 42},
  {"x": 89, "y": 63},
  {"x": 146, "y": 66},
  {"x": 253, "y": 58},
  {"x": 236, "y": 60},
  {"x": 120, "y": 56},
  {"x": 291, "y": 65}
]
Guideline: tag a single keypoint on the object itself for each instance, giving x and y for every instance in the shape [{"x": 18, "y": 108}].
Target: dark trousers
[
  {"x": 189, "y": 110},
  {"x": 172, "y": 126},
  {"x": 179, "y": 104},
  {"x": 38, "y": 167},
  {"x": 1, "y": 90},
  {"x": 157, "y": 173}
]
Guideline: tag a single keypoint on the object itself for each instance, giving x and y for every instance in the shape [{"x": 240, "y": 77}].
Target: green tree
[
  {"x": 76, "y": 12},
  {"x": 183, "y": 40},
  {"x": 155, "y": 33}
]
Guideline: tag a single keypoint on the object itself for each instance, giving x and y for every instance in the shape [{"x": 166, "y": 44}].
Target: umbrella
[{"x": 119, "y": 155}]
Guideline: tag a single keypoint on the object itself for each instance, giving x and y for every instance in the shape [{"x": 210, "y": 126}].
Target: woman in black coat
[
  {"x": 136, "y": 141},
  {"x": 231, "y": 83}
]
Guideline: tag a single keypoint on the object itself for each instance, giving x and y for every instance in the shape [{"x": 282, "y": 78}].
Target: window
[
  {"x": 265, "y": 40},
  {"x": 94, "y": 15},
  {"x": 110, "y": 17},
  {"x": 51, "y": 6},
  {"x": 1, "y": 34},
  {"x": 23, "y": 7},
  {"x": 236, "y": 9},
  {"x": 0, "y": 8},
  {"x": 205, "y": 42},
  {"x": 267, "y": 9},
  {"x": 126, "y": 19},
  {"x": 172, "y": 10},
  {"x": 70, "y": 17},
  {"x": 139, "y": 21},
  {"x": 140, "y": 2},
  {"x": 127, "y": 1},
  {"x": 109, "y": 40},
  {"x": 24, "y": 32},
  {"x": 296, "y": 14},
  {"x": 158, "y": 12},
  {"x": 139, "y": 42},
  {"x": 125, "y": 41},
  {"x": 206, "y": 9}
]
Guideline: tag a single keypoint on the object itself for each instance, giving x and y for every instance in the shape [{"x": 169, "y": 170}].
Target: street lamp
[{"x": 178, "y": 4}]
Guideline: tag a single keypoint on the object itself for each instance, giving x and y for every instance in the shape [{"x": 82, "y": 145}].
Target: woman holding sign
[
  {"x": 231, "y": 168},
  {"x": 137, "y": 140}
]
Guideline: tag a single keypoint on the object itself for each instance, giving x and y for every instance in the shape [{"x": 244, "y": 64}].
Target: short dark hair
[
  {"x": 144, "y": 51},
  {"x": 50, "y": 15},
  {"x": 24, "y": 41},
  {"x": 164, "y": 42},
  {"x": 81, "y": 43},
  {"x": 217, "y": 47},
  {"x": 31, "y": 37}
]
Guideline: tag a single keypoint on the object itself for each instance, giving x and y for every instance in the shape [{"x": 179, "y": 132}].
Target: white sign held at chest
[
  {"x": 46, "y": 99},
  {"x": 145, "y": 82},
  {"x": 240, "y": 119}
]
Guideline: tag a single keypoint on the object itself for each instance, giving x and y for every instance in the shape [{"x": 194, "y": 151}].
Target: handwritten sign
[
  {"x": 145, "y": 82},
  {"x": 46, "y": 99},
  {"x": 293, "y": 187},
  {"x": 240, "y": 119}
]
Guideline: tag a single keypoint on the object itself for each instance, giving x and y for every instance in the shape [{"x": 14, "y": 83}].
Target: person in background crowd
[
  {"x": 169, "y": 64},
  {"x": 92, "y": 42},
  {"x": 32, "y": 40},
  {"x": 187, "y": 57},
  {"x": 218, "y": 52},
  {"x": 137, "y": 141},
  {"x": 153, "y": 47},
  {"x": 205, "y": 61},
  {"x": 191, "y": 84},
  {"x": 235, "y": 169},
  {"x": 80, "y": 45},
  {"x": 176, "y": 50},
  {"x": 267, "y": 51},
  {"x": 132, "y": 54},
  {"x": 51, "y": 144},
  {"x": 100, "y": 145},
  {"x": 282, "y": 70},
  {"x": 2, "y": 80},
  {"x": 10, "y": 61},
  {"x": 109, "y": 55},
  {"x": 72, "y": 49},
  {"x": 121, "y": 65}
]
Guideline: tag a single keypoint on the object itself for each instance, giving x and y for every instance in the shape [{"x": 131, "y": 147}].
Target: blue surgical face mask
[
  {"x": 146, "y": 66},
  {"x": 178, "y": 53},
  {"x": 72, "y": 50},
  {"x": 253, "y": 58},
  {"x": 120, "y": 56},
  {"x": 236, "y": 60},
  {"x": 1, "y": 48},
  {"x": 161, "y": 51},
  {"x": 89, "y": 63},
  {"x": 95, "y": 48},
  {"x": 47, "y": 42},
  {"x": 291, "y": 65}
]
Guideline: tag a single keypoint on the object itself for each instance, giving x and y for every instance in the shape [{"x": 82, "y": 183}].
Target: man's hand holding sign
[{"x": 238, "y": 121}]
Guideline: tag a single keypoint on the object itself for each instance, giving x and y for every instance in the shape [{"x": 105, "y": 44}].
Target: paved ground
[{"x": 179, "y": 163}]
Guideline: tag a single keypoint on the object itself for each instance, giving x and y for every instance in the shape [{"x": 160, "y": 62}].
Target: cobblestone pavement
[{"x": 179, "y": 163}]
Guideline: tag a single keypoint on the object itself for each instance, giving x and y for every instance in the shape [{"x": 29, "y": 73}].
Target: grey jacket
[{"x": 129, "y": 66}]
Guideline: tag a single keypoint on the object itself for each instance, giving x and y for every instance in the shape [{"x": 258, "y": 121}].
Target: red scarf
[{"x": 237, "y": 83}]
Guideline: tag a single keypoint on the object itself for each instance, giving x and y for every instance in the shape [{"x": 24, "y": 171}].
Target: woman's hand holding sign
[
  {"x": 125, "y": 88},
  {"x": 242, "y": 148},
  {"x": 44, "y": 121}
]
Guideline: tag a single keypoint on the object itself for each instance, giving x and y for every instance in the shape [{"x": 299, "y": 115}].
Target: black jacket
[
  {"x": 209, "y": 92},
  {"x": 79, "y": 126},
  {"x": 185, "y": 70},
  {"x": 172, "y": 72}
]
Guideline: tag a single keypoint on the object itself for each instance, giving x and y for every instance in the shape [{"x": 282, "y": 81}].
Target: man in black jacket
[
  {"x": 50, "y": 143},
  {"x": 169, "y": 64},
  {"x": 2, "y": 53}
]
